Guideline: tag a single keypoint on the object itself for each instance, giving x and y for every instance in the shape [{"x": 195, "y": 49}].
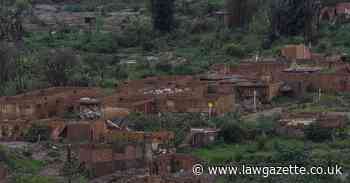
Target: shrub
[
  {"x": 316, "y": 133},
  {"x": 234, "y": 50},
  {"x": 210, "y": 43},
  {"x": 59, "y": 65},
  {"x": 290, "y": 152},
  {"x": 32, "y": 179},
  {"x": 232, "y": 133},
  {"x": 99, "y": 43},
  {"x": 137, "y": 31}
]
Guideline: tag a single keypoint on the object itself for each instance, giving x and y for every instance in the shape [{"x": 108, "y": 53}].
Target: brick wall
[
  {"x": 45, "y": 103},
  {"x": 103, "y": 159}
]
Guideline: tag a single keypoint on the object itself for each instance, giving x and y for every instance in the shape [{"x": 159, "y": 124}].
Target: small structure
[
  {"x": 85, "y": 131},
  {"x": 203, "y": 136},
  {"x": 45, "y": 103},
  {"x": 177, "y": 94},
  {"x": 296, "y": 52},
  {"x": 104, "y": 159}
]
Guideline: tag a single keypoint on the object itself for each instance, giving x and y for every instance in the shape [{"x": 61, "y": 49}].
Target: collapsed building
[
  {"x": 124, "y": 151},
  {"x": 294, "y": 124},
  {"x": 179, "y": 94},
  {"x": 296, "y": 52},
  {"x": 248, "y": 88},
  {"x": 295, "y": 75},
  {"x": 47, "y": 107},
  {"x": 200, "y": 137},
  {"x": 13, "y": 129},
  {"x": 45, "y": 103}
]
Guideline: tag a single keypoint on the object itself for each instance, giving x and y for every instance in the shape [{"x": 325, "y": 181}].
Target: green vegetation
[
  {"x": 327, "y": 103},
  {"x": 33, "y": 179},
  {"x": 184, "y": 40},
  {"x": 196, "y": 41},
  {"x": 24, "y": 169},
  {"x": 180, "y": 124}
]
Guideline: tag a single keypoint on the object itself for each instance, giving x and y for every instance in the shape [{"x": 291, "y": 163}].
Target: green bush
[
  {"x": 232, "y": 133},
  {"x": 32, "y": 179},
  {"x": 99, "y": 43},
  {"x": 137, "y": 32},
  {"x": 317, "y": 133},
  {"x": 210, "y": 43},
  {"x": 290, "y": 152},
  {"x": 234, "y": 50}
]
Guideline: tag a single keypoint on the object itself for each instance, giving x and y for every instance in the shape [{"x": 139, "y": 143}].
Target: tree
[
  {"x": 239, "y": 12},
  {"x": 11, "y": 18},
  {"x": 7, "y": 62},
  {"x": 317, "y": 133},
  {"x": 235, "y": 10},
  {"x": 294, "y": 17},
  {"x": 265, "y": 125},
  {"x": 59, "y": 66},
  {"x": 232, "y": 132},
  {"x": 162, "y": 15},
  {"x": 290, "y": 152}
]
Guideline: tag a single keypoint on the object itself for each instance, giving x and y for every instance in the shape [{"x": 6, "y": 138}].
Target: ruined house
[
  {"x": 293, "y": 124},
  {"x": 328, "y": 73},
  {"x": 124, "y": 151},
  {"x": 45, "y": 103},
  {"x": 173, "y": 94},
  {"x": 249, "y": 91},
  {"x": 13, "y": 129},
  {"x": 84, "y": 131},
  {"x": 160, "y": 142},
  {"x": 200, "y": 137},
  {"x": 104, "y": 159},
  {"x": 296, "y": 52},
  {"x": 312, "y": 79}
]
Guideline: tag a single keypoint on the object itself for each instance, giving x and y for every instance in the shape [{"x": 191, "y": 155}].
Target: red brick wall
[
  {"x": 3, "y": 172},
  {"x": 45, "y": 103},
  {"x": 79, "y": 132}
]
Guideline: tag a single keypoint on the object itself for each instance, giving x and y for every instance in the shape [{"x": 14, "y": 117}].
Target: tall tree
[
  {"x": 297, "y": 17},
  {"x": 163, "y": 15},
  {"x": 59, "y": 66},
  {"x": 7, "y": 62},
  {"x": 294, "y": 17},
  {"x": 235, "y": 12},
  {"x": 239, "y": 12},
  {"x": 11, "y": 19}
]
